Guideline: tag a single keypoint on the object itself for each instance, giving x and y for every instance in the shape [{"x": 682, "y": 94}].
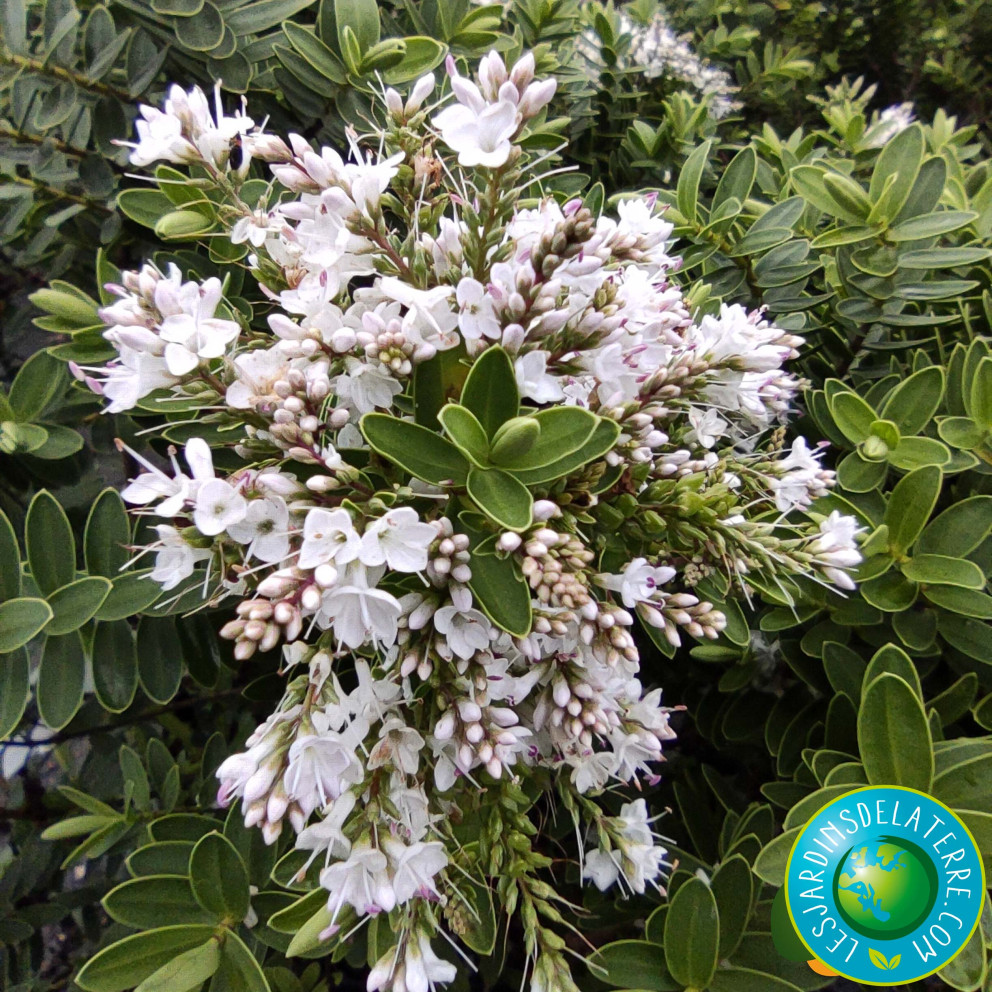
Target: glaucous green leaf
[
  {"x": 15, "y": 689},
  {"x": 910, "y": 505},
  {"x": 490, "y": 391},
  {"x": 20, "y": 620},
  {"x": 155, "y": 900},
  {"x": 894, "y": 735},
  {"x": 77, "y": 603},
  {"x": 160, "y": 658},
  {"x": 61, "y": 677},
  {"x": 501, "y": 497},
  {"x": 417, "y": 450},
  {"x": 219, "y": 878},
  {"x": 51, "y": 548},
  {"x": 692, "y": 934},
  {"x": 465, "y": 432}
]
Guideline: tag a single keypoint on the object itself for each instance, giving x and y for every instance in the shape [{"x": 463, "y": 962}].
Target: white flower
[
  {"x": 707, "y": 427},
  {"x": 189, "y": 326},
  {"x": 398, "y": 539},
  {"x": 414, "y": 866},
  {"x": 601, "y": 868},
  {"x": 466, "y": 632},
  {"x": 834, "y": 549},
  {"x": 358, "y": 614},
  {"x": 420, "y": 970},
  {"x": 253, "y": 228},
  {"x": 479, "y": 133},
  {"x": 218, "y": 506},
  {"x": 320, "y": 768},
  {"x": 366, "y": 386},
  {"x": 639, "y": 581},
  {"x": 264, "y": 529},
  {"x": 362, "y": 881},
  {"x": 477, "y": 316},
  {"x": 328, "y": 536},
  {"x": 398, "y": 745},
  {"x": 534, "y": 380},
  {"x": 327, "y": 834},
  {"x": 176, "y": 559}
]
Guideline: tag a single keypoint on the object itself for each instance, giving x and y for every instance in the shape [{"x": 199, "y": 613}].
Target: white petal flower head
[
  {"x": 467, "y": 632},
  {"x": 176, "y": 559},
  {"x": 398, "y": 539},
  {"x": 398, "y": 746},
  {"x": 218, "y": 506},
  {"x": 422, "y": 968},
  {"x": 265, "y": 529},
  {"x": 707, "y": 426},
  {"x": 359, "y": 615},
  {"x": 414, "y": 866},
  {"x": 320, "y": 768},
  {"x": 479, "y": 136},
  {"x": 362, "y": 882},
  {"x": 639, "y": 581},
  {"x": 601, "y": 868},
  {"x": 534, "y": 380},
  {"x": 476, "y": 314},
  {"x": 328, "y": 536}
]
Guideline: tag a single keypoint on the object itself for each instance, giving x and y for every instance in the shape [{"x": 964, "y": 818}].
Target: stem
[
  {"x": 145, "y": 715},
  {"x": 60, "y": 194},
  {"x": 66, "y": 75}
]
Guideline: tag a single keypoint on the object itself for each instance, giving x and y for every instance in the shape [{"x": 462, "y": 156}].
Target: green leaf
[
  {"x": 894, "y": 735},
  {"x": 128, "y": 962},
  {"x": 893, "y": 660},
  {"x": 51, "y": 548},
  {"x": 959, "y": 529},
  {"x": 169, "y": 857},
  {"x": 15, "y": 689},
  {"x": 115, "y": 665},
  {"x": 771, "y": 862},
  {"x": 809, "y": 182},
  {"x": 61, "y": 677},
  {"x": 967, "y": 602},
  {"x": 247, "y": 974},
  {"x": 899, "y": 161},
  {"x": 852, "y": 415},
  {"x": 848, "y": 195},
  {"x": 961, "y": 432},
  {"x": 415, "y": 449},
  {"x": 919, "y": 452},
  {"x": 931, "y": 225},
  {"x": 968, "y": 968},
  {"x": 738, "y": 178},
  {"x": 943, "y": 570},
  {"x": 362, "y": 16},
  {"x": 144, "y": 206},
  {"x": 971, "y": 637},
  {"x": 480, "y": 934},
  {"x": 76, "y": 603},
  {"x": 490, "y": 391},
  {"x": 20, "y": 620},
  {"x": 501, "y": 497},
  {"x": 10, "y": 561},
  {"x": 187, "y": 971},
  {"x": 420, "y": 56},
  {"x": 735, "y": 979},
  {"x": 514, "y": 440},
  {"x": 603, "y": 438},
  {"x": 308, "y": 937},
  {"x": 687, "y": 190},
  {"x": 733, "y": 888},
  {"x": 692, "y": 934},
  {"x": 160, "y": 658},
  {"x": 132, "y": 593},
  {"x": 915, "y": 400},
  {"x": 317, "y": 54},
  {"x": 501, "y": 592},
  {"x": 967, "y": 785},
  {"x": 155, "y": 900},
  {"x": 633, "y": 964},
  {"x": 40, "y": 380},
  {"x": 563, "y": 431},
  {"x": 437, "y": 382},
  {"x": 910, "y": 505},
  {"x": 465, "y": 432},
  {"x": 980, "y": 407},
  {"x": 219, "y": 878}
]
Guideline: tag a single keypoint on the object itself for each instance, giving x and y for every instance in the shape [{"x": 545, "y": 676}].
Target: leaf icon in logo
[
  {"x": 894, "y": 961},
  {"x": 878, "y": 959}
]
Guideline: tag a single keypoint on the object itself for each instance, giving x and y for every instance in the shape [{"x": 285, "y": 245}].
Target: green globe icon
[{"x": 885, "y": 887}]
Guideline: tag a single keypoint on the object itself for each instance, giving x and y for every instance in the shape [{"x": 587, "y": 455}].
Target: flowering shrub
[{"x": 448, "y": 442}]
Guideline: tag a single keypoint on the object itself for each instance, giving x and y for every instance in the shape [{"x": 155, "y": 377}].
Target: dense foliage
[{"x": 796, "y": 178}]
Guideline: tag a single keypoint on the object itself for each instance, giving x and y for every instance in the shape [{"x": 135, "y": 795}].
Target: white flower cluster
[
  {"x": 656, "y": 52},
  {"x": 417, "y": 707}
]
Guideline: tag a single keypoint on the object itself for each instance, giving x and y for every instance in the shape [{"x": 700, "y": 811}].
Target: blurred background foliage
[{"x": 765, "y": 127}]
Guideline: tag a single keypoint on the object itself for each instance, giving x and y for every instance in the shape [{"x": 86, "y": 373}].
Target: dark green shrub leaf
[
  {"x": 61, "y": 677},
  {"x": 692, "y": 934},
  {"x": 417, "y": 450},
  {"x": 894, "y": 736},
  {"x": 219, "y": 878},
  {"x": 51, "y": 547},
  {"x": 490, "y": 391}
]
